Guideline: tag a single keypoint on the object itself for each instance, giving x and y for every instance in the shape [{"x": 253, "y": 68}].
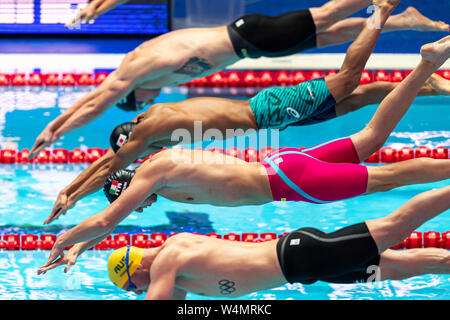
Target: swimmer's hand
[
  {"x": 45, "y": 139},
  {"x": 62, "y": 205},
  {"x": 93, "y": 10},
  {"x": 68, "y": 259},
  {"x": 55, "y": 259},
  {"x": 85, "y": 15}
]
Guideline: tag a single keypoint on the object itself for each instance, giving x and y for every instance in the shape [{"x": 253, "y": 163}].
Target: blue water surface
[{"x": 27, "y": 194}]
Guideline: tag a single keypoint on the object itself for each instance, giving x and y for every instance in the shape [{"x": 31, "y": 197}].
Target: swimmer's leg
[
  {"x": 348, "y": 29},
  {"x": 398, "y": 265},
  {"x": 375, "y": 92},
  {"x": 396, "y": 104},
  {"x": 392, "y": 229},
  {"x": 342, "y": 84},
  {"x": 415, "y": 171},
  {"x": 334, "y": 11}
]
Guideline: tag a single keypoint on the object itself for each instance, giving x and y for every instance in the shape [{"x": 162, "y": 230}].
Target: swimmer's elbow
[
  {"x": 120, "y": 86},
  {"x": 96, "y": 109},
  {"x": 104, "y": 225}
]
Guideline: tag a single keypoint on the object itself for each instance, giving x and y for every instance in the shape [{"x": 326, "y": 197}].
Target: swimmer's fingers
[
  {"x": 92, "y": 18},
  {"x": 56, "y": 257},
  {"x": 70, "y": 262},
  {"x": 81, "y": 16},
  {"x": 89, "y": 13},
  {"x": 69, "y": 265},
  {"x": 43, "y": 140},
  {"x": 54, "y": 215},
  {"x": 57, "y": 263},
  {"x": 38, "y": 146},
  {"x": 74, "y": 21},
  {"x": 60, "y": 207}
]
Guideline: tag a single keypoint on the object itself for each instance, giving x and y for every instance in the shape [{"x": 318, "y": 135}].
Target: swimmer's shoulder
[
  {"x": 180, "y": 248},
  {"x": 157, "y": 165},
  {"x": 184, "y": 241}
]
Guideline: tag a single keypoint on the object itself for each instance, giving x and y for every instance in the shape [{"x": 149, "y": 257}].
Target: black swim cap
[
  {"x": 128, "y": 103},
  {"x": 120, "y": 135},
  {"x": 116, "y": 184}
]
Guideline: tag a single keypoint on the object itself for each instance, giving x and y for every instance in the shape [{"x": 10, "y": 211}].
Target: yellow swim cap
[{"x": 116, "y": 264}]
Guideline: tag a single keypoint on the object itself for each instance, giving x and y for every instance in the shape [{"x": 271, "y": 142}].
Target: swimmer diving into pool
[
  {"x": 322, "y": 174},
  {"x": 170, "y": 59},
  {"x": 221, "y": 268},
  {"x": 152, "y": 130}
]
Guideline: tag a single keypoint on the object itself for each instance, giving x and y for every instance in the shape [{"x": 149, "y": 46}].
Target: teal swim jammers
[{"x": 306, "y": 103}]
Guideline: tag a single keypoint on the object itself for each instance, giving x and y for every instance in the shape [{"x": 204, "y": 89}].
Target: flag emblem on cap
[
  {"x": 115, "y": 188},
  {"x": 121, "y": 140}
]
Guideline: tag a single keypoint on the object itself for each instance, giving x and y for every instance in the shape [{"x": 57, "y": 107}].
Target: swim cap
[
  {"x": 128, "y": 103},
  {"x": 116, "y": 264},
  {"x": 116, "y": 184},
  {"x": 120, "y": 135}
]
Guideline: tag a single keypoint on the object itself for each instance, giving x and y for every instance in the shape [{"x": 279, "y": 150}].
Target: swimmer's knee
[
  {"x": 382, "y": 179},
  {"x": 322, "y": 16},
  {"x": 349, "y": 80}
]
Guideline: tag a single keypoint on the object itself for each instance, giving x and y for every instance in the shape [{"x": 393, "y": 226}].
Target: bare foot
[
  {"x": 414, "y": 20},
  {"x": 438, "y": 85},
  {"x": 437, "y": 52}
]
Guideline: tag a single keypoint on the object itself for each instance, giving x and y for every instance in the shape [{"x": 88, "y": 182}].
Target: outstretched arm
[
  {"x": 90, "y": 107},
  {"x": 163, "y": 274},
  {"x": 144, "y": 183},
  {"x": 135, "y": 68},
  {"x": 70, "y": 258},
  {"x": 93, "y": 10},
  {"x": 93, "y": 178},
  {"x": 79, "y": 188}
]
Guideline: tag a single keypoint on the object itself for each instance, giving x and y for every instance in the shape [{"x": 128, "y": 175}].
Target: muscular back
[
  {"x": 202, "y": 118},
  {"x": 203, "y": 177},
  {"x": 185, "y": 54},
  {"x": 223, "y": 268}
]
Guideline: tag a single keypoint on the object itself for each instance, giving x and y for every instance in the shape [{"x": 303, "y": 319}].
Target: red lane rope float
[
  {"x": 231, "y": 78},
  {"x": 391, "y": 155},
  {"x": 78, "y": 156},
  {"x": 429, "y": 239},
  {"x": 55, "y": 156}
]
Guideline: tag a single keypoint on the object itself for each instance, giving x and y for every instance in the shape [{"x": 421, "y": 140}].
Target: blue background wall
[{"x": 396, "y": 42}]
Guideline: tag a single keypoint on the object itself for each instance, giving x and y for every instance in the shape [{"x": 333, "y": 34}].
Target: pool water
[{"x": 27, "y": 194}]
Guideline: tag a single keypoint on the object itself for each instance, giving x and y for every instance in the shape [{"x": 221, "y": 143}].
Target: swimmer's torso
[
  {"x": 225, "y": 268},
  {"x": 204, "y": 119},
  {"x": 187, "y": 54},
  {"x": 193, "y": 176}
]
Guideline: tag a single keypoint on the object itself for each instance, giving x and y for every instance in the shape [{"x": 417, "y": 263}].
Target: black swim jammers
[
  {"x": 348, "y": 255},
  {"x": 256, "y": 35}
]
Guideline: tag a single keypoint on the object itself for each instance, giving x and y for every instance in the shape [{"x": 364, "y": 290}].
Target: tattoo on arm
[
  {"x": 195, "y": 67},
  {"x": 226, "y": 287}
]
